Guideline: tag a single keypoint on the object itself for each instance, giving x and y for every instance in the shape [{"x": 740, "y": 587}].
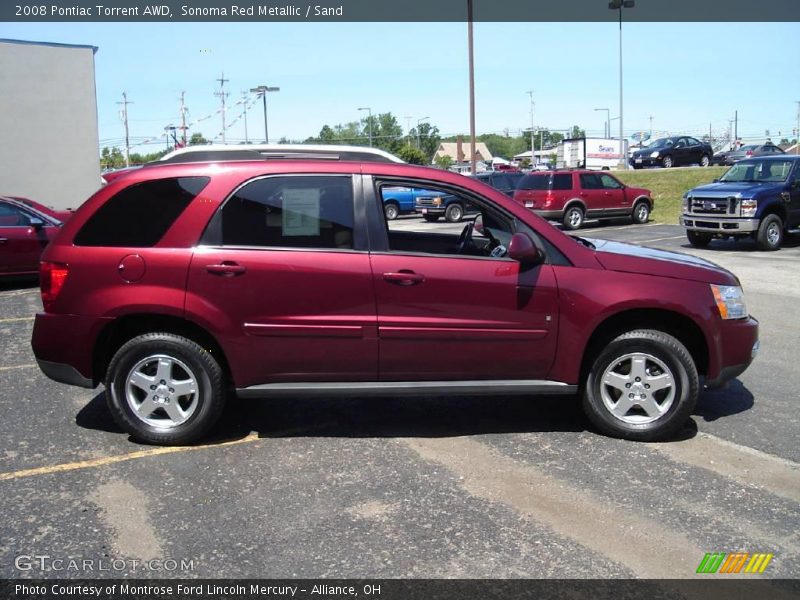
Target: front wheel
[
  {"x": 573, "y": 218},
  {"x": 454, "y": 213},
  {"x": 666, "y": 162},
  {"x": 641, "y": 212},
  {"x": 643, "y": 386},
  {"x": 770, "y": 233},
  {"x": 165, "y": 389},
  {"x": 698, "y": 239}
]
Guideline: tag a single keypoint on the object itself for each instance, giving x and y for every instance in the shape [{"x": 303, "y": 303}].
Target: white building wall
[{"x": 48, "y": 123}]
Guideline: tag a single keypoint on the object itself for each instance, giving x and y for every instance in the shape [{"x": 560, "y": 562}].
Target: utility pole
[
  {"x": 736, "y": 125},
  {"x": 530, "y": 93},
  {"x": 124, "y": 104},
  {"x": 244, "y": 101},
  {"x": 472, "y": 161},
  {"x": 222, "y": 94},
  {"x": 408, "y": 129},
  {"x": 797, "y": 135},
  {"x": 651, "y": 126},
  {"x": 183, "y": 120}
]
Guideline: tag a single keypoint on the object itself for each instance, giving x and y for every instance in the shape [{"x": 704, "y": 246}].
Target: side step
[{"x": 409, "y": 388}]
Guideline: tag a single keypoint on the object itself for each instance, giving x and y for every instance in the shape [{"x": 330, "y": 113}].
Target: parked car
[
  {"x": 673, "y": 152},
  {"x": 749, "y": 151},
  {"x": 24, "y": 233},
  {"x": 59, "y": 215},
  {"x": 757, "y": 198},
  {"x": 433, "y": 205},
  {"x": 575, "y": 195},
  {"x": 400, "y": 200},
  {"x": 181, "y": 283}
]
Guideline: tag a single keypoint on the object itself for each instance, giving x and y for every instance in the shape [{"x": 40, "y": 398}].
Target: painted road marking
[
  {"x": 15, "y": 319},
  {"x": 28, "y": 366},
  {"x": 674, "y": 237}
]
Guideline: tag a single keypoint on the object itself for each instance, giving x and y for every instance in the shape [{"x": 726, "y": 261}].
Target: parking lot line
[
  {"x": 673, "y": 237},
  {"x": 19, "y": 293},
  {"x": 28, "y": 366},
  {"x": 15, "y": 319},
  {"x": 628, "y": 226},
  {"x": 109, "y": 460}
]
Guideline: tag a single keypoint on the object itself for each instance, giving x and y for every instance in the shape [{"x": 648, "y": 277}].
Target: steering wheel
[{"x": 465, "y": 239}]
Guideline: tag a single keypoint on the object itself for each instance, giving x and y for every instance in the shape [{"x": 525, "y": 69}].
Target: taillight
[
  {"x": 749, "y": 153},
  {"x": 51, "y": 278}
]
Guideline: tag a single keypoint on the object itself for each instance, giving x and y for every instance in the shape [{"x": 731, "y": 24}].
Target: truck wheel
[
  {"x": 391, "y": 211},
  {"x": 431, "y": 218},
  {"x": 643, "y": 386},
  {"x": 641, "y": 212},
  {"x": 573, "y": 218},
  {"x": 704, "y": 160},
  {"x": 698, "y": 239},
  {"x": 165, "y": 389},
  {"x": 454, "y": 213},
  {"x": 770, "y": 233},
  {"x": 666, "y": 162}
]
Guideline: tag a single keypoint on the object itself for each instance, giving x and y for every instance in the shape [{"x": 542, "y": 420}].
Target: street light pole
[
  {"x": 533, "y": 133},
  {"x": 619, "y": 5},
  {"x": 419, "y": 144},
  {"x": 607, "y": 124},
  {"x": 369, "y": 123},
  {"x": 262, "y": 90}
]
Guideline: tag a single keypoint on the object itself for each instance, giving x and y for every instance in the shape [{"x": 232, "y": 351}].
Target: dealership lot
[{"x": 432, "y": 487}]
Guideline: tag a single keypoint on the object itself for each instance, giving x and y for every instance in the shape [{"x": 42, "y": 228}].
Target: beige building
[
  {"x": 461, "y": 152},
  {"x": 48, "y": 122}
]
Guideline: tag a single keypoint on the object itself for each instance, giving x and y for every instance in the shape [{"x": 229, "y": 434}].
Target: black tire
[
  {"x": 667, "y": 162},
  {"x": 454, "y": 213},
  {"x": 431, "y": 218},
  {"x": 705, "y": 161},
  {"x": 641, "y": 212},
  {"x": 573, "y": 218},
  {"x": 658, "y": 354},
  {"x": 391, "y": 210},
  {"x": 698, "y": 239},
  {"x": 208, "y": 399},
  {"x": 770, "y": 233}
]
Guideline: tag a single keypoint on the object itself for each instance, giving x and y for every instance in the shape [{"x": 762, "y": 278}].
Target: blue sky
[{"x": 686, "y": 76}]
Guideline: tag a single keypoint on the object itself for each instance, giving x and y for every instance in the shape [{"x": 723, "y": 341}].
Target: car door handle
[
  {"x": 226, "y": 269},
  {"x": 3, "y": 240},
  {"x": 404, "y": 278}
]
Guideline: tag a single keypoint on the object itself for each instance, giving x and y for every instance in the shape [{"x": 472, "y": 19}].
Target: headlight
[
  {"x": 749, "y": 208},
  {"x": 654, "y": 154},
  {"x": 730, "y": 301},
  {"x": 686, "y": 203},
  {"x": 437, "y": 201}
]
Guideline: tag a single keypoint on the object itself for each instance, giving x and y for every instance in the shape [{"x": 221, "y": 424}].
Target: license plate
[
  {"x": 638, "y": 160},
  {"x": 424, "y": 211}
]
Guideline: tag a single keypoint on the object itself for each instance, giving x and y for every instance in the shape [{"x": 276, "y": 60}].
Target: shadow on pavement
[
  {"x": 733, "y": 399},
  {"x": 18, "y": 282}
]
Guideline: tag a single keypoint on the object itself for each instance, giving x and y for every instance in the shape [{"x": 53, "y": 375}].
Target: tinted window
[
  {"x": 535, "y": 182},
  {"x": 290, "y": 212},
  {"x": 562, "y": 181},
  {"x": 140, "y": 215},
  {"x": 589, "y": 181},
  {"x": 11, "y": 216},
  {"x": 609, "y": 183}
]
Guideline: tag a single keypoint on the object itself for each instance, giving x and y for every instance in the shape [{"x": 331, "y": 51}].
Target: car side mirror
[
  {"x": 521, "y": 248},
  {"x": 716, "y": 180},
  {"x": 36, "y": 223}
]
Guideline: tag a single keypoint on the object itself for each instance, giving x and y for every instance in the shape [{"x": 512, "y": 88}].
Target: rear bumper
[
  {"x": 737, "y": 346},
  {"x": 64, "y": 345}
]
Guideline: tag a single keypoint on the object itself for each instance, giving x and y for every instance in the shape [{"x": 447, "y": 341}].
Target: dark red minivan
[{"x": 260, "y": 274}]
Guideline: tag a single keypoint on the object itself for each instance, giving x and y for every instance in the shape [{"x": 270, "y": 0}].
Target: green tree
[
  {"x": 577, "y": 132},
  {"x": 412, "y": 155},
  {"x": 443, "y": 162},
  {"x": 197, "y": 139}
]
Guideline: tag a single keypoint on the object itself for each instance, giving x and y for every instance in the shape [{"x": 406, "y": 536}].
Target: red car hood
[{"x": 629, "y": 258}]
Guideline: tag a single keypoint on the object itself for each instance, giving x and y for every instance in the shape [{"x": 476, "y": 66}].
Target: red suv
[
  {"x": 572, "y": 196},
  {"x": 178, "y": 284}
]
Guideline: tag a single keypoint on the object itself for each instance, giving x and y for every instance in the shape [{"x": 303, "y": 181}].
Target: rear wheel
[
  {"x": 165, "y": 389},
  {"x": 454, "y": 213},
  {"x": 573, "y": 218},
  {"x": 770, "y": 233},
  {"x": 643, "y": 386},
  {"x": 641, "y": 212},
  {"x": 705, "y": 160},
  {"x": 698, "y": 239},
  {"x": 391, "y": 211}
]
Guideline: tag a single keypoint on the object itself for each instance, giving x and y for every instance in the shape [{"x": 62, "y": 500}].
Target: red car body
[
  {"x": 24, "y": 234},
  {"x": 59, "y": 215},
  {"x": 333, "y": 318}
]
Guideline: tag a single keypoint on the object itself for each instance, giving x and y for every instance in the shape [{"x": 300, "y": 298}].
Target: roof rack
[{"x": 218, "y": 153}]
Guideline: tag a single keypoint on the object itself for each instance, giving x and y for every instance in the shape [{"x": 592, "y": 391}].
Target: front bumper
[
  {"x": 436, "y": 211},
  {"x": 737, "y": 346},
  {"x": 645, "y": 161},
  {"x": 721, "y": 225}
]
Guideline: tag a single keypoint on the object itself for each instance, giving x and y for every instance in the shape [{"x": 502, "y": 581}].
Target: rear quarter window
[
  {"x": 535, "y": 182},
  {"x": 139, "y": 215}
]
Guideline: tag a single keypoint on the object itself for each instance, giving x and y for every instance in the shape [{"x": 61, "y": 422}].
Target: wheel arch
[
  {"x": 776, "y": 208},
  {"x": 572, "y": 202},
  {"x": 642, "y": 197},
  {"x": 679, "y": 326},
  {"x": 127, "y": 327}
]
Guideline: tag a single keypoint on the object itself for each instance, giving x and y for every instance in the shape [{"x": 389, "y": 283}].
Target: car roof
[{"x": 220, "y": 153}]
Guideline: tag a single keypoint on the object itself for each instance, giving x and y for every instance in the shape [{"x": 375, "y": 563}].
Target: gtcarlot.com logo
[
  {"x": 734, "y": 562},
  {"x": 44, "y": 562}
]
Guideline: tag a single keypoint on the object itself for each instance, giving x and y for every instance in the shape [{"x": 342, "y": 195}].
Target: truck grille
[
  {"x": 713, "y": 206},
  {"x": 425, "y": 203}
]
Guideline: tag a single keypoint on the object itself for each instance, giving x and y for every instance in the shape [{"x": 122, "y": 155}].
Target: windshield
[
  {"x": 660, "y": 143},
  {"x": 758, "y": 170}
]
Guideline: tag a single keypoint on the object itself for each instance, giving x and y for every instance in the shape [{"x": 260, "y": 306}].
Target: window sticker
[{"x": 300, "y": 211}]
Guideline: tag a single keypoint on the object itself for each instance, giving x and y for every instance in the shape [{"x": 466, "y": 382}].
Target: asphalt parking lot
[{"x": 394, "y": 487}]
